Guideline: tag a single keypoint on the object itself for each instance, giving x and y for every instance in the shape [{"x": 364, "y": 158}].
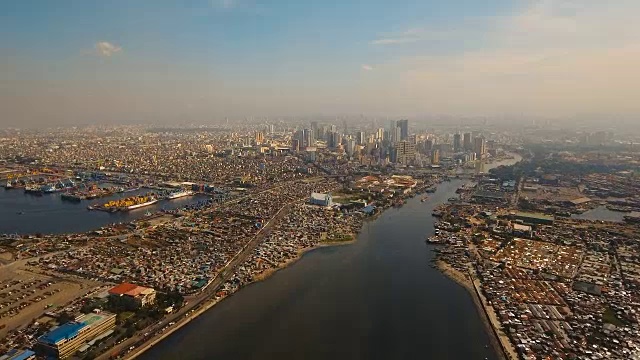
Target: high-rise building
[
  {"x": 380, "y": 134},
  {"x": 404, "y": 129},
  {"x": 308, "y": 138},
  {"x": 435, "y": 156},
  {"x": 259, "y": 137},
  {"x": 457, "y": 142},
  {"x": 466, "y": 142},
  {"x": 360, "y": 137},
  {"x": 351, "y": 147},
  {"x": 405, "y": 152},
  {"x": 336, "y": 139},
  {"x": 295, "y": 145},
  {"x": 480, "y": 147},
  {"x": 272, "y": 128}
]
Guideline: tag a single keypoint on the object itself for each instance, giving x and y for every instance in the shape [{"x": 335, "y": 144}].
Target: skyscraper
[
  {"x": 435, "y": 156},
  {"x": 308, "y": 138},
  {"x": 259, "y": 137},
  {"x": 360, "y": 137},
  {"x": 466, "y": 142},
  {"x": 404, "y": 129},
  {"x": 405, "y": 152},
  {"x": 457, "y": 142},
  {"x": 480, "y": 146}
]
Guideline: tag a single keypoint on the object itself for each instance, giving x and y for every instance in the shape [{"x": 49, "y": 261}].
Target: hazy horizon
[{"x": 82, "y": 62}]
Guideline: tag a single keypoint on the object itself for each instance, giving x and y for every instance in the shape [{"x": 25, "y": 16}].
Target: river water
[
  {"x": 23, "y": 213},
  {"x": 377, "y": 298}
]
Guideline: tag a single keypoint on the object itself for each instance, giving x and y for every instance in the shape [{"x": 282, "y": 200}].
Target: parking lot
[{"x": 24, "y": 296}]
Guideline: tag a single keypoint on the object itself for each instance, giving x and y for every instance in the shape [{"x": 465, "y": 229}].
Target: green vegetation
[
  {"x": 339, "y": 238},
  {"x": 609, "y": 316}
]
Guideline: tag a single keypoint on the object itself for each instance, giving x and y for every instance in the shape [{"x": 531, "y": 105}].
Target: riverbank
[
  {"x": 499, "y": 341},
  {"x": 210, "y": 303},
  {"x": 269, "y": 272}
]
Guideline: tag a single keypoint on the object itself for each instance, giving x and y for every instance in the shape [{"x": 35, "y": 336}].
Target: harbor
[{"x": 23, "y": 213}]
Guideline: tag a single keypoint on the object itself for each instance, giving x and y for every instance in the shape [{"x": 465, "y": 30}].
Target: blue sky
[{"x": 112, "y": 61}]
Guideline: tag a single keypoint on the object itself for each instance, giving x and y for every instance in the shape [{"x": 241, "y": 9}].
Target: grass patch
[
  {"x": 338, "y": 238},
  {"x": 125, "y": 315},
  {"x": 609, "y": 316}
]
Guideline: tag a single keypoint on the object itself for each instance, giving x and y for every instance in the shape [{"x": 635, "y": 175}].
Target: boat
[
  {"x": 137, "y": 206},
  {"x": 179, "y": 194},
  {"x": 33, "y": 189}
]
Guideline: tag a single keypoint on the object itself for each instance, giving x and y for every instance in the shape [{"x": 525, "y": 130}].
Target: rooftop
[
  {"x": 62, "y": 332},
  {"x": 16, "y": 354}
]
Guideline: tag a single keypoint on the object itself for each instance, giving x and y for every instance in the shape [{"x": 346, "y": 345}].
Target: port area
[{"x": 141, "y": 200}]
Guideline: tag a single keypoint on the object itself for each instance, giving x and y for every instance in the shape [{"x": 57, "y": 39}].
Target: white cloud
[
  {"x": 105, "y": 48},
  {"x": 392, "y": 41},
  {"x": 553, "y": 57},
  {"x": 228, "y": 4},
  {"x": 366, "y": 67}
]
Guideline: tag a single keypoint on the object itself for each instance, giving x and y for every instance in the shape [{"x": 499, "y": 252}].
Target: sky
[{"x": 85, "y": 61}]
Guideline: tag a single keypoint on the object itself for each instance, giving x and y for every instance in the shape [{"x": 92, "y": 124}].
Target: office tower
[
  {"x": 351, "y": 147},
  {"x": 308, "y": 138},
  {"x": 466, "y": 142},
  {"x": 404, "y": 129},
  {"x": 457, "y": 142},
  {"x": 480, "y": 146},
  {"x": 435, "y": 156},
  {"x": 259, "y": 137},
  {"x": 405, "y": 152},
  {"x": 298, "y": 140},
  {"x": 380, "y": 134},
  {"x": 360, "y": 137}
]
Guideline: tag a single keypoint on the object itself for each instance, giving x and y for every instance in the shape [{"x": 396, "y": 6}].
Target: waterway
[
  {"x": 24, "y": 213},
  {"x": 601, "y": 213},
  {"x": 377, "y": 298}
]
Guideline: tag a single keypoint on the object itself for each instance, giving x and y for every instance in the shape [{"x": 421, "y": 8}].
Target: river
[
  {"x": 23, "y": 213},
  {"x": 377, "y": 298}
]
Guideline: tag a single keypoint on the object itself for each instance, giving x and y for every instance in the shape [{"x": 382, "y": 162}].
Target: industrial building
[
  {"x": 321, "y": 199},
  {"x": 132, "y": 296},
  {"x": 65, "y": 340},
  {"x": 531, "y": 218},
  {"x": 16, "y": 354}
]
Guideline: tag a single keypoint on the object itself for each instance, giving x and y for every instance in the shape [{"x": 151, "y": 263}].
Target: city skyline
[{"x": 72, "y": 63}]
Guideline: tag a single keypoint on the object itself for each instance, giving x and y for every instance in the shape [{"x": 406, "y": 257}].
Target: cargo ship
[
  {"x": 126, "y": 204},
  {"x": 137, "y": 206},
  {"x": 179, "y": 194}
]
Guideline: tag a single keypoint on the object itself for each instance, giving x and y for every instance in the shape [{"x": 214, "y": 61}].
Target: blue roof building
[
  {"x": 16, "y": 354},
  {"x": 62, "y": 332}
]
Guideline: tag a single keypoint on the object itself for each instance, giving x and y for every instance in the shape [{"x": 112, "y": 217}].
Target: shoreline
[
  {"x": 208, "y": 304},
  {"x": 500, "y": 342},
  {"x": 264, "y": 275}
]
